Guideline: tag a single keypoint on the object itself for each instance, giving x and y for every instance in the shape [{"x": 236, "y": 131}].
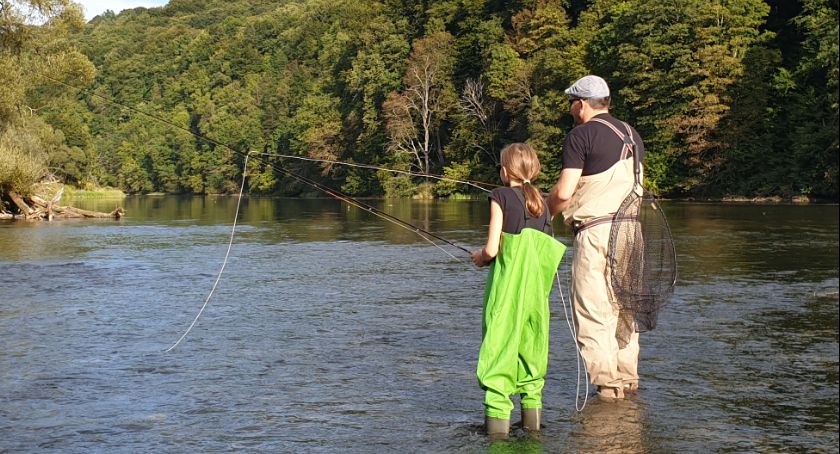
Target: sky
[{"x": 97, "y": 7}]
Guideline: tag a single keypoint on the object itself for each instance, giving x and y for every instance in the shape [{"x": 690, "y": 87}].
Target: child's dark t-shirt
[{"x": 514, "y": 212}]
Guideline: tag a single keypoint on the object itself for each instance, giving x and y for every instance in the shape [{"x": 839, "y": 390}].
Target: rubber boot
[
  {"x": 497, "y": 429},
  {"x": 609, "y": 394},
  {"x": 531, "y": 418},
  {"x": 631, "y": 387}
]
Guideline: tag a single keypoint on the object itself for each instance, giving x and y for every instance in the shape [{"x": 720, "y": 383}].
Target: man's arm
[{"x": 560, "y": 194}]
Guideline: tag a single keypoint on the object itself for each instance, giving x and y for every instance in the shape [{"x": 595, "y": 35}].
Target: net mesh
[{"x": 642, "y": 259}]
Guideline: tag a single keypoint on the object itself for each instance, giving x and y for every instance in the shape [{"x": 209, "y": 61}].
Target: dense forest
[{"x": 732, "y": 97}]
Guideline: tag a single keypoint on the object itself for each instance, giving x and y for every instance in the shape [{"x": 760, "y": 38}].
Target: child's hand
[{"x": 478, "y": 258}]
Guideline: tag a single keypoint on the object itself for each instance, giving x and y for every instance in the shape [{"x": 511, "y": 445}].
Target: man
[{"x": 597, "y": 175}]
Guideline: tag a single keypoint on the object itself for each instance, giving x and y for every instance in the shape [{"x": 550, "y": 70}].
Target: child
[{"x": 514, "y": 348}]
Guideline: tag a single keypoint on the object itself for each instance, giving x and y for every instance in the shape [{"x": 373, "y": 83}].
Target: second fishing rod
[{"x": 261, "y": 157}]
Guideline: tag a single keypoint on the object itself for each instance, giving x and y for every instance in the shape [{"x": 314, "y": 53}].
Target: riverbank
[
  {"x": 87, "y": 191},
  {"x": 42, "y": 202},
  {"x": 769, "y": 200},
  {"x": 45, "y": 189}
]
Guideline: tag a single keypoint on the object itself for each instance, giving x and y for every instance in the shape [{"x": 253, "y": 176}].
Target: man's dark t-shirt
[{"x": 594, "y": 147}]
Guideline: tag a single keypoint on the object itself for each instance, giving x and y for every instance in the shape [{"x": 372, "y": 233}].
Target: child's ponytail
[
  {"x": 522, "y": 164},
  {"x": 533, "y": 199}
]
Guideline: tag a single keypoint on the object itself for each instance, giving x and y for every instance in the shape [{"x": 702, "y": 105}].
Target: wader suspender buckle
[
  {"x": 629, "y": 144},
  {"x": 579, "y": 226}
]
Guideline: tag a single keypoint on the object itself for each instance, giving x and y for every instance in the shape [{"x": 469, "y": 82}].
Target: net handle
[{"x": 637, "y": 166}]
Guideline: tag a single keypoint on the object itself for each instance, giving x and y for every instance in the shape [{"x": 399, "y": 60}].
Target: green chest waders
[{"x": 514, "y": 349}]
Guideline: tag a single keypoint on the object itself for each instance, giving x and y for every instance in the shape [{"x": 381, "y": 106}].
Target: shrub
[{"x": 20, "y": 165}]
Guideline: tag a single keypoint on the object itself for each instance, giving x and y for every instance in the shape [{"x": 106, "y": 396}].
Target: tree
[
  {"x": 815, "y": 146},
  {"x": 718, "y": 89},
  {"x": 478, "y": 112},
  {"x": 35, "y": 59},
  {"x": 672, "y": 63},
  {"x": 376, "y": 71},
  {"x": 553, "y": 57},
  {"x": 415, "y": 114}
]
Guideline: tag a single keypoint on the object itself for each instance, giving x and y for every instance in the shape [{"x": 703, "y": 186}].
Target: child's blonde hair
[{"x": 522, "y": 165}]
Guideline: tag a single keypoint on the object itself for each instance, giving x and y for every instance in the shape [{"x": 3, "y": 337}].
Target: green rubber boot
[
  {"x": 531, "y": 419},
  {"x": 497, "y": 429}
]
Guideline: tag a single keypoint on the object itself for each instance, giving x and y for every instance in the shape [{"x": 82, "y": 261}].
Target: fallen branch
[
  {"x": 70, "y": 212},
  {"x": 25, "y": 210},
  {"x": 39, "y": 208}
]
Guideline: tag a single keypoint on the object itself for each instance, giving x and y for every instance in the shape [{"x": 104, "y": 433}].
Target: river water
[{"x": 332, "y": 330}]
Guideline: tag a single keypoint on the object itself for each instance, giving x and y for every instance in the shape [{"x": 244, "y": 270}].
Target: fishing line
[
  {"x": 224, "y": 262},
  {"x": 425, "y": 234},
  {"x": 329, "y": 191},
  {"x": 338, "y": 195},
  {"x": 305, "y": 180},
  {"x": 476, "y": 184},
  {"x": 473, "y": 183},
  {"x": 568, "y": 310}
]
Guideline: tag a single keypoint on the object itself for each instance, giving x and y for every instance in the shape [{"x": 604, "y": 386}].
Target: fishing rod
[
  {"x": 371, "y": 209},
  {"x": 329, "y": 191},
  {"x": 423, "y": 233}
]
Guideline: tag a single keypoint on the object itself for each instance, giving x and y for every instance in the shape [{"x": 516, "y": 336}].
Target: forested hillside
[{"x": 733, "y": 97}]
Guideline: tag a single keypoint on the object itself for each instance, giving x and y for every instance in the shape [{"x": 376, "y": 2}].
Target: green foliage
[
  {"x": 33, "y": 60},
  {"x": 396, "y": 186},
  {"x": 354, "y": 185},
  {"x": 676, "y": 68},
  {"x": 21, "y": 163},
  {"x": 732, "y": 97},
  {"x": 455, "y": 171},
  {"x": 815, "y": 148},
  {"x": 505, "y": 75}
]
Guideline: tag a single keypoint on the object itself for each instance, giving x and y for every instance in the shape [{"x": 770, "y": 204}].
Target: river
[{"x": 332, "y": 330}]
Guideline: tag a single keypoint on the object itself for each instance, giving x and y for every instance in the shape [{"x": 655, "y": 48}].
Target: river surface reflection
[{"x": 332, "y": 330}]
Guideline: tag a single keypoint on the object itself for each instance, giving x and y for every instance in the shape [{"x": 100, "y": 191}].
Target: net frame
[{"x": 641, "y": 253}]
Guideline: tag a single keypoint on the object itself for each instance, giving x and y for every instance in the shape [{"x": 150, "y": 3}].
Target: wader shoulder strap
[
  {"x": 520, "y": 194},
  {"x": 629, "y": 146},
  {"x": 627, "y": 150}
]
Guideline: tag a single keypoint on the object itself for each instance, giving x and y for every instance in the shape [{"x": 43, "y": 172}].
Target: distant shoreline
[{"x": 763, "y": 200}]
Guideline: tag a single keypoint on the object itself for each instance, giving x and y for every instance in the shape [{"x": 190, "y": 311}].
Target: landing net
[{"x": 642, "y": 259}]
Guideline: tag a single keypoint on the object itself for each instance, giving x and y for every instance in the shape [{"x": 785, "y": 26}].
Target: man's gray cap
[{"x": 589, "y": 87}]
